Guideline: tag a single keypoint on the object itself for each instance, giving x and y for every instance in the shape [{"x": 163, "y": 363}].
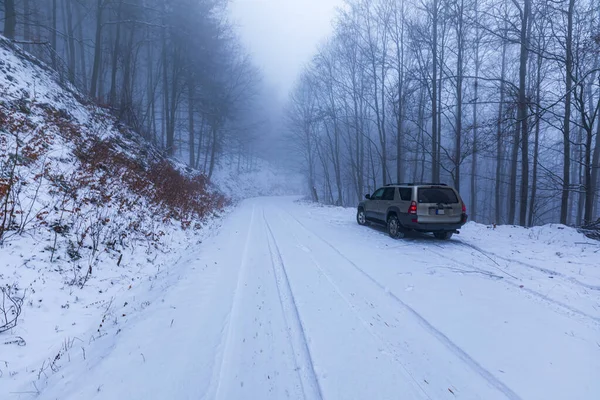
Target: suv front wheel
[
  {"x": 361, "y": 217},
  {"x": 393, "y": 227}
]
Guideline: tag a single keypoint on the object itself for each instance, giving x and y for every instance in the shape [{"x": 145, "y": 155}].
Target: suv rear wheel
[
  {"x": 361, "y": 217},
  {"x": 443, "y": 235},
  {"x": 393, "y": 227}
]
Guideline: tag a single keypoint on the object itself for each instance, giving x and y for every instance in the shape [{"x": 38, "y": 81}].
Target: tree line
[
  {"x": 499, "y": 98},
  {"x": 172, "y": 69}
]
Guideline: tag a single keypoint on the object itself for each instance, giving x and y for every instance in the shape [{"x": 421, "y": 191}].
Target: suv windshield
[{"x": 437, "y": 195}]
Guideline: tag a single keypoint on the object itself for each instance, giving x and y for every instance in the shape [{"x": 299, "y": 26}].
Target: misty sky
[{"x": 282, "y": 35}]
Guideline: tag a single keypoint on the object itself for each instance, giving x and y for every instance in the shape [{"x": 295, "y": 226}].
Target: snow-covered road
[{"x": 296, "y": 301}]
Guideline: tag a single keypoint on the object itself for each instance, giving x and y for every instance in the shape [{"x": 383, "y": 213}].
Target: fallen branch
[
  {"x": 10, "y": 310},
  {"x": 591, "y": 230}
]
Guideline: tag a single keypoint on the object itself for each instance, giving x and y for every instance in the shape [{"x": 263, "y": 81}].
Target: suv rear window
[{"x": 437, "y": 195}]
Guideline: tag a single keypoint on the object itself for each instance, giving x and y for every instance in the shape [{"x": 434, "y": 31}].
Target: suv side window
[
  {"x": 388, "y": 194},
  {"x": 377, "y": 195},
  {"x": 405, "y": 194}
]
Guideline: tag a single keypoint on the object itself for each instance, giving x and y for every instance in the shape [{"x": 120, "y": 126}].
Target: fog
[
  {"x": 283, "y": 35},
  {"x": 503, "y": 103}
]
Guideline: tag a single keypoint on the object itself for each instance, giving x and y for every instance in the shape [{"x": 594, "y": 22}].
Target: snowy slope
[
  {"x": 296, "y": 301},
  {"x": 89, "y": 241}
]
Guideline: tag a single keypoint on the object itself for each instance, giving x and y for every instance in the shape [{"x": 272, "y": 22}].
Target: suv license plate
[{"x": 440, "y": 212}]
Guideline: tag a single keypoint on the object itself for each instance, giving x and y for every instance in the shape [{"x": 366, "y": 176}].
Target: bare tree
[
  {"x": 10, "y": 19},
  {"x": 564, "y": 209}
]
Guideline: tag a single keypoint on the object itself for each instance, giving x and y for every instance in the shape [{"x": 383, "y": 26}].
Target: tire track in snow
[
  {"x": 304, "y": 363},
  {"x": 445, "y": 340},
  {"x": 530, "y": 266},
  {"x": 233, "y": 313},
  {"x": 566, "y": 309},
  {"x": 391, "y": 351}
]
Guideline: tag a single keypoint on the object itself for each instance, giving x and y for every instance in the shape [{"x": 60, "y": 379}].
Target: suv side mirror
[{"x": 368, "y": 197}]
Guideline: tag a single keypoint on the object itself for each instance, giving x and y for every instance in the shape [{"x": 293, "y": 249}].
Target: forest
[
  {"x": 499, "y": 98},
  {"x": 173, "y": 70}
]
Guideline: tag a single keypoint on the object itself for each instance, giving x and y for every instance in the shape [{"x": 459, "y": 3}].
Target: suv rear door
[
  {"x": 387, "y": 200},
  {"x": 438, "y": 204}
]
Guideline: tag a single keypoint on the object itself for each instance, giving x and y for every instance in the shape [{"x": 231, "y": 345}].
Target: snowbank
[{"x": 554, "y": 248}]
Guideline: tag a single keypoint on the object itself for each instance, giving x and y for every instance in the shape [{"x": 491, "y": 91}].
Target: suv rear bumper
[{"x": 408, "y": 222}]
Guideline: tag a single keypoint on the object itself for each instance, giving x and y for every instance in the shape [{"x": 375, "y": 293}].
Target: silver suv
[{"x": 422, "y": 207}]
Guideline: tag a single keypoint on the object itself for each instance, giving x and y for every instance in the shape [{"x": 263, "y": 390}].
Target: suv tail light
[
  {"x": 413, "y": 208},
  {"x": 464, "y": 208}
]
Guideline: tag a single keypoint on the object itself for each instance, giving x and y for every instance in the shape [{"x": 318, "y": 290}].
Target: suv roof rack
[{"x": 417, "y": 184}]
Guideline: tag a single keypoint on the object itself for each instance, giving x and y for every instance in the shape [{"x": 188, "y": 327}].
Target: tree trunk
[
  {"x": 115, "y": 58},
  {"x": 53, "y": 35},
  {"x": 358, "y": 142},
  {"x": 581, "y": 161},
  {"x": 174, "y": 101},
  {"x": 27, "y": 22},
  {"x": 207, "y": 152},
  {"x": 126, "y": 92},
  {"x": 459, "y": 95},
  {"x": 499, "y": 136},
  {"x": 335, "y": 146},
  {"x": 595, "y": 178},
  {"x": 441, "y": 62},
  {"x": 514, "y": 165},
  {"x": 435, "y": 172},
  {"x": 419, "y": 151},
  {"x": 564, "y": 207},
  {"x": 151, "y": 89},
  {"x": 536, "y": 144},
  {"x": 38, "y": 28},
  {"x": 200, "y": 141},
  {"x": 165, "y": 75},
  {"x": 213, "y": 152},
  {"x": 10, "y": 19},
  {"x": 97, "y": 50},
  {"x": 311, "y": 165},
  {"x": 400, "y": 67},
  {"x": 474, "y": 166},
  {"x": 586, "y": 206},
  {"x": 68, "y": 8},
  {"x": 372, "y": 165},
  {"x": 523, "y": 116},
  {"x": 378, "y": 116},
  {"x": 83, "y": 67},
  {"x": 192, "y": 158}
]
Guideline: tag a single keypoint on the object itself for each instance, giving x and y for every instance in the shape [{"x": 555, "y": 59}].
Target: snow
[
  {"x": 59, "y": 316},
  {"x": 292, "y": 300},
  {"x": 262, "y": 178}
]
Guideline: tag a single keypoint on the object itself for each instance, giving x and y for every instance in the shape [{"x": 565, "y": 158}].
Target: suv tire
[
  {"x": 361, "y": 217},
  {"x": 444, "y": 235},
  {"x": 393, "y": 227}
]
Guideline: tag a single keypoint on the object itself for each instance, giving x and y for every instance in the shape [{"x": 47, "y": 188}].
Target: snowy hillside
[{"x": 92, "y": 221}]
